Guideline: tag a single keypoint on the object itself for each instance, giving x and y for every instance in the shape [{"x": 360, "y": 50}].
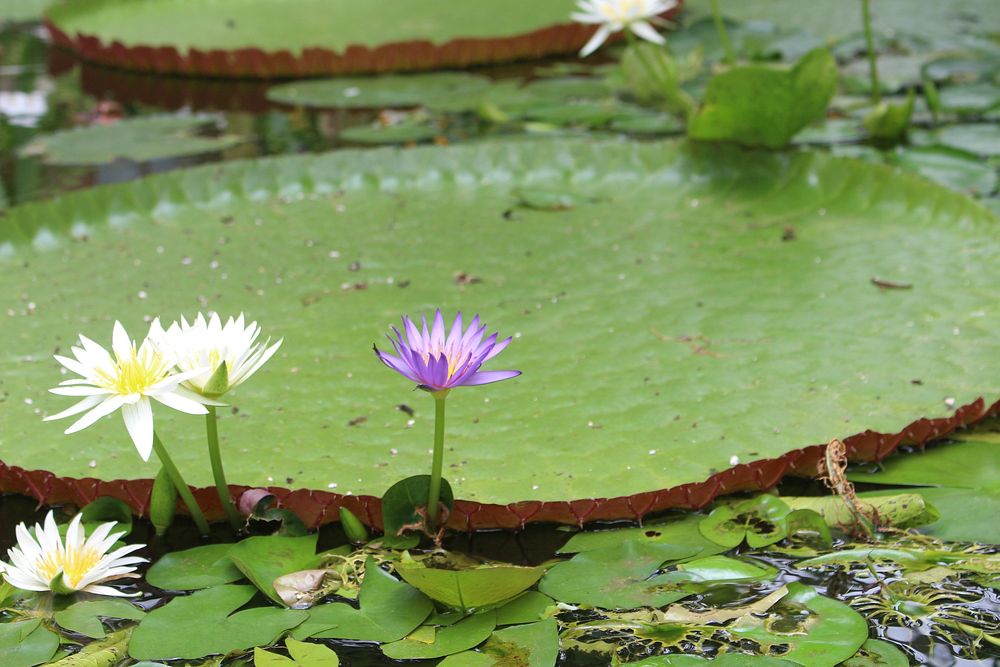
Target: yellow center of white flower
[
  {"x": 135, "y": 373},
  {"x": 74, "y": 563},
  {"x": 621, "y": 11}
]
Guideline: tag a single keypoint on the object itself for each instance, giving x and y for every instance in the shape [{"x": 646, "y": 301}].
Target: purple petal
[
  {"x": 455, "y": 334},
  {"x": 437, "y": 331},
  {"x": 397, "y": 365},
  {"x": 412, "y": 335},
  {"x": 486, "y": 377},
  {"x": 486, "y": 346},
  {"x": 498, "y": 348}
]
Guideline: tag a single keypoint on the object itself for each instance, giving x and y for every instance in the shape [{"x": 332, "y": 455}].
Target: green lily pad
[
  {"x": 760, "y": 521},
  {"x": 265, "y": 558},
  {"x": 140, "y": 139},
  {"x": 724, "y": 660},
  {"x": 302, "y": 232},
  {"x": 943, "y": 465},
  {"x": 26, "y": 643},
  {"x": 85, "y": 617},
  {"x": 877, "y": 653},
  {"x": 204, "y": 623},
  {"x": 531, "y": 645},
  {"x": 972, "y": 98},
  {"x": 389, "y": 610},
  {"x": 950, "y": 167},
  {"x": 955, "y": 521},
  {"x": 834, "y": 131},
  {"x": 380, "y": 91},
  {"x": 818, "y": 631},
  {"x": 680, "y": 531},
  {"x": 978, "y": 139},
  {"x": 400, "y": 505},
  {"x": 761, "y": 105},
  {"x": 17, "y": 11},
  {"x": 529, "y": 607},
  {"x": 302, "y": 654},
  {"x": 271, "y": 27},
  {"x": 192, "y": 569},
  {"x": 962, "y": 69},
  {"x": 616, "y": 577},
  {"x": 461, "y": 636},
  {"x": 469, "y": 589}
]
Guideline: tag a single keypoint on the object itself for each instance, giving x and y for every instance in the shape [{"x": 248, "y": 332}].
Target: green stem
[
  {"x": 434, "y": 493},
  {"x": 215, "y": 456},
  {"x": 180, "y": 484},
  {"x": 872, "y": 56},
  {"x": 671, "y": 91},
  {"x": 720, "y": 28}
]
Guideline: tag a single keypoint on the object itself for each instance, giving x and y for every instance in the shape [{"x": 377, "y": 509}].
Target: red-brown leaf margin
[
  {"x": 320, "y": 507},
  {"x": 315, "y": 61}
]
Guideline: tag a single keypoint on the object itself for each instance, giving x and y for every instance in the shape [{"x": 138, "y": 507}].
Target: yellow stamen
[
  {"x": 135, "y": 373},
  {"x": 73, "y": 563}
]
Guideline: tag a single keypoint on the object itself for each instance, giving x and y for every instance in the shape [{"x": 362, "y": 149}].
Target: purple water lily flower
[{"x": 438, "y": 363}]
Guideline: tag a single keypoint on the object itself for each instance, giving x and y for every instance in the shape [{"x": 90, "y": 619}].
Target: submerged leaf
[
  {"x": 85, "y": 617},
  {"x": 447, "y": 640}
]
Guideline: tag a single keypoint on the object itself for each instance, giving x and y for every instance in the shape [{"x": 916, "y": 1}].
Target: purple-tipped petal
[
  {"x": 437, "y": 331},
  {"x": 498, "y": 348},
  {"x": 455, "y": 333},
  {"x": 487, "y": 377}
]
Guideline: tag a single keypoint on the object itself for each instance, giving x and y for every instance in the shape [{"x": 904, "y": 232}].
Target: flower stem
[
  {"x": 872, "y": 57},
  {"x": 434, "y": 493},
  {"x": 180, "y": 484},
  {"x": 215, "y": 456},
  {"x": 720, "y": 28}
]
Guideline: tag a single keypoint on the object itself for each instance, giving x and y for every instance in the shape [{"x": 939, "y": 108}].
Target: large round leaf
[
  {"x": 693, "y": 304},
  {"x": 268, "y": 38}
]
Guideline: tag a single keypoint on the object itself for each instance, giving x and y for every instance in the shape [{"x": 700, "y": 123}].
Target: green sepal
[
  {"x": 353, "y": 528},
  {"x": 218, "y": 384},
  {"x": 59, "y": 587},
  {"x": 162, "y": 502}
]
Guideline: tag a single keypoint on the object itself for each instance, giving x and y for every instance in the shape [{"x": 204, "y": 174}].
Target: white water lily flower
[
  {"x": 207, "y": 345},
  {"x": 615, "y": 15},
  {"x": 127, "y": 381},
  {"x": 44, "y": 562}
]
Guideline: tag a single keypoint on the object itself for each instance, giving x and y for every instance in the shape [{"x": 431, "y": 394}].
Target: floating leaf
[
  {"x": 758, "y": 105},
  {"x": 204, "y": 623},
  {"x": 378, "y": 92},
  {"x": 389, "y": 610},
  {"x": 955, "y": 169},
  {"x": 303, "y": 655},
  {"x": 724, "y": 660},
  {"x": 531, "y": 645},
  {"x": 106, "y": 509},
  {"x": 463, "y": 635},
  {"x": 528, "y": 607},
  {"x": 677, "y": 530},
  {"x": 901, "y": 510},
  {"x": 956, "y": 522},
  {"x": 401, "y": 502},
  {"x": 972, "y": 98},
  {"x": 818, "y": 631},
  {"x": 265, "y": 558},
  {"x": 400, "y": 133},
  {"x": 140, "y": 139},
  {"x": 722, "y": 201},
  {"x": 85, "y": 617},
  {"x": 26, "y": 643},
  {"x": 191, "y": 569},
  {"x": 877, "y": 653},
  {"x": 760, "y": 521},
  {"x": 943, "y": 465},
  {"x": 469, "y": 588},
  {"x": 107, "y": 652},
  {"x": 978, "y": 139}
]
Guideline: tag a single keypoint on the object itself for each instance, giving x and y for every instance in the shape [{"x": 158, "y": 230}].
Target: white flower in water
[
  {"x": 127, "y": 381},
  {"x": 44, "y": 562},
  {"x": 615, "y": 15},
  {"x": 23, "y": 109},
  {"x": 224, "y": 356}
]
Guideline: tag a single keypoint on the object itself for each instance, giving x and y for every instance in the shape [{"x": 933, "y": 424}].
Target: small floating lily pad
[
  {"x": 379, "y": 92},
  {"x": 141, "y": 139}
]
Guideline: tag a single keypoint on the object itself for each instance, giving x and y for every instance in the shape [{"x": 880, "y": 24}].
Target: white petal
[
  {"x": 80, "y": 390},
  {"x": 177, "y": 402},
  {"x": 647, "y": 32},
  {"x": 139, "y": 423},
  {"x": 120, "y": 342},
  {"x": 103, "y": 409},
  {"x": 76, "y": 409},
  {"x": 108, "y": 591}
]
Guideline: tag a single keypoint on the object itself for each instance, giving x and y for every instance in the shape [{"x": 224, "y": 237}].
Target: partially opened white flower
[
  {"x": 44, "y": 562},
  {"x": 127, "y": 381},
  {"x": 224, "y": 356},
  {"x": 615, "y": 15}
]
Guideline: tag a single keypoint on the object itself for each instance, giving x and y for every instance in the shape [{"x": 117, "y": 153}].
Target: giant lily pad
[
  {"x": 265, "y": 39},
  {"x": 670, "y": 331}
]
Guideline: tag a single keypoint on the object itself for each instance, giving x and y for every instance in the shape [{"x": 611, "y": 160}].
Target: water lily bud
[
  {"x": 162, "y": 502},
  {"x": 218, "y": 384},
  {"x": 353, "y": 528}
]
